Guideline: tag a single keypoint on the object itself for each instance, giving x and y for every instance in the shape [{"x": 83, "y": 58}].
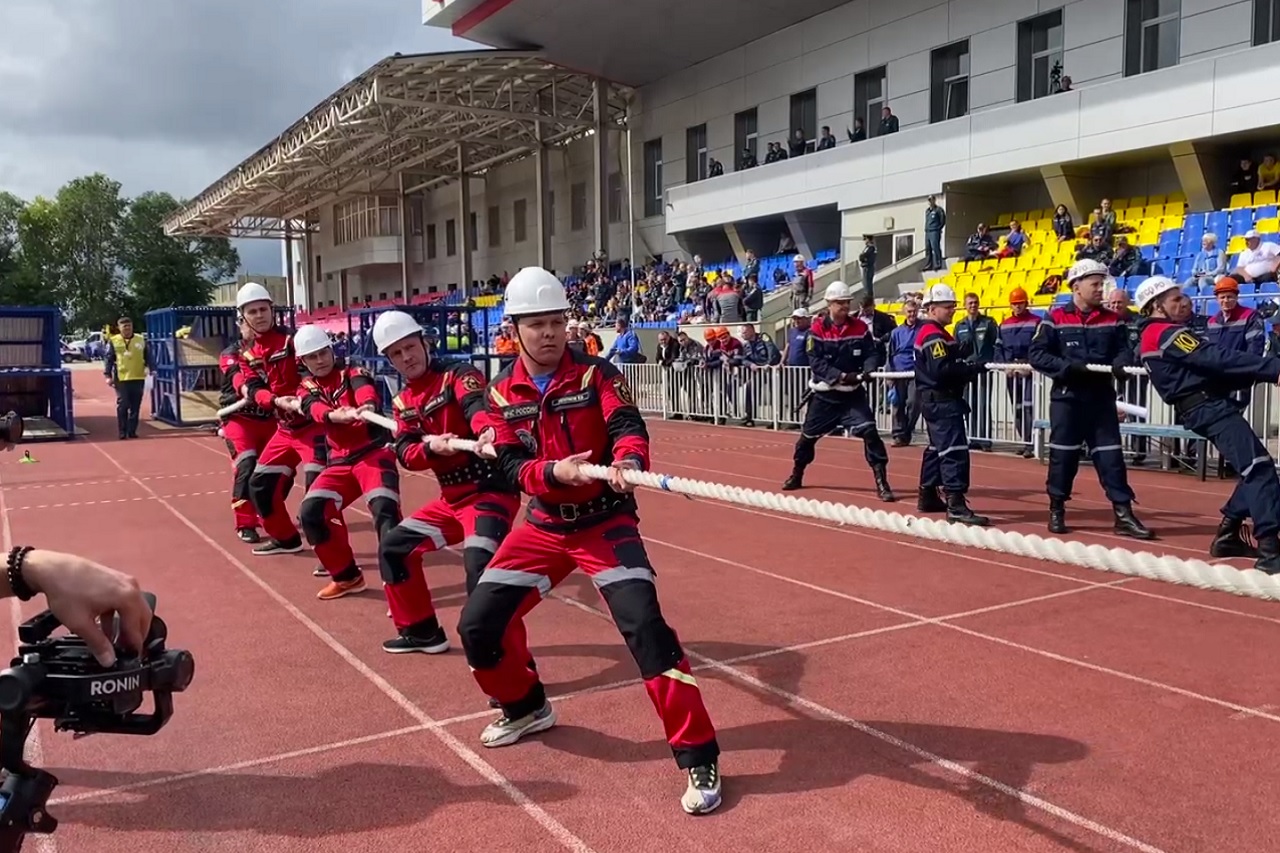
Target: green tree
[
  {"x": 166, "y": 271},
  {"x": 90, "y": 211},
  {"x": 10, "y": 208},
  {"x": 39, "y": 276}
]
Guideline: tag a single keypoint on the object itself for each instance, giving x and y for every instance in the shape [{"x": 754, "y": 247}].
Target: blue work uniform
[
  {"x": 1014, "y": 346},
  {"x": 943, "y": 375},
  {"x": 839, "y": 354},
  {"x": 1198, "y": 379}
]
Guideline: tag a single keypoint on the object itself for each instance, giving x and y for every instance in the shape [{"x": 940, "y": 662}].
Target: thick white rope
[{"x": 233, "y": 408}]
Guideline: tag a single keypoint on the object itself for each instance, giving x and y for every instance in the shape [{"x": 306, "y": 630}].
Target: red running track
[{"x": 872, "y": 694}]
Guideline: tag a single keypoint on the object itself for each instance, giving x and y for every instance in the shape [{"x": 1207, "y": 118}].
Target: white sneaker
[
  {"x": 703, "y": 794},
  {"x": 504, "y": 732}
]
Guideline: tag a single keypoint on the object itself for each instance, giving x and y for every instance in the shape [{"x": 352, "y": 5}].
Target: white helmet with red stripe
[{"x": 1152, "y": 289}]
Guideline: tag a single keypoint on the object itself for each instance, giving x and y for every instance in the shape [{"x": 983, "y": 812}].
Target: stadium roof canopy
[
  {"x": 406, "y": 114},
  {"x": 633, "y": 42}
]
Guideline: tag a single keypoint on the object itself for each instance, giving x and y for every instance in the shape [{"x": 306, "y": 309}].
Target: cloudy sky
[{"x": 171, "y": 94}]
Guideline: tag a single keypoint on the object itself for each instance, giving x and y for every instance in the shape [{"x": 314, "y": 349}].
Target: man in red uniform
[
  {"x": 270, "y": 379},
  {"x": 360, "y": 462},
  {"x": 554, "y": 410},
  {"x": 246, "y": 432},
  {"x": 477, "y": 505}
]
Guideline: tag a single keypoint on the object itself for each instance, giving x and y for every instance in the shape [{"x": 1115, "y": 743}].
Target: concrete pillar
[
  {"x": 1079, "y": 188},
  {"x": 798, "y": 233},
  {"x": 735, "y": 240},
  {"x": 1196, "y": 173},
  {"x": 601, "y": 150},
  {"x": 542, "y": 184},
  {"x": 403, "y": 204},
  {"x": 310, "y": 281},
  {"x": 288, "y": 260},
  {"x": 464, "y": 219}
]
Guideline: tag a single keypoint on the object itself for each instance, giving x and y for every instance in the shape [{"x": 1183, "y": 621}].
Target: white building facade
[{"x": 1163, "y": 91}]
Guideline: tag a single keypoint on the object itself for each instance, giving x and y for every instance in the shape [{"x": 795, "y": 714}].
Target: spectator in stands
[
  {"x": 1127, "y": 260},
  {"x": 1104, "y": 222},
  {"x": 1095, "y": 250},
  {"x": 725, "y": 303},
  {"x": 888, "y": 122},
  {"x": 902, "y": 359},
  {"x": 867, "y": 262},
  {"x": 752, "y": 298},
  {"x": 799, "y": 146},
  {"x": 751, "y": 266},
  {"x": 801, "y": 283},
  {"x": 715, "y": 168},
  {"x": 1245, "y": 180},
  {"x": 1210, "y": 263},
  {"x": 747, "y": 159},
  {"x": 1015, "y": 242},
  {"x": 1269, "y": 173},
  {"x": 796, "y": 353},
  {"x": 1063, "y": 225},
  {"x": 775, "y": 153},
  {"x": 759, "y": 354},
  {"x": 1013, "y": 347},
  {"x": 1258, "y": 262},
  {"x": 981, "y": 244},
  {"x": 858, "y": 132},
  {"x": 826, "y": 140},
  {"x": 668, "y": 349},
  {"x": 626, "y": 346},
  {"x": 590, "y": 338},
  {"x": 935, "y": 219},
  {"x": 977, "y": 336}
]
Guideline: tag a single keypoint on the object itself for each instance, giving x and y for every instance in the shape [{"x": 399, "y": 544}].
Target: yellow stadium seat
[
  {"x": 957, "y": 268},
  {"x": 963, "y": 282},
  {"x": 1138, "y": 201},
  {"x": 1178, "y": 197},
  {"x": 1153, "y": 211},
  {"x": 1020, "y": 215},
  {"x": 1176, "y": 208},
  {"x": 1007, "y": 264},
  {"x": 1267, "y": 226},
  {"x": 1264, "y": 197},
  {"x": 1003, "y": 219},
  {"x": 1240, "y": 200},
  {"x": 1027, "y": 261},
  {"x": 1236, "y": 244}
]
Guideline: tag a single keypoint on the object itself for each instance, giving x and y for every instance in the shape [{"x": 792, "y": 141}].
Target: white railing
[{"x": 1009, "y": 411}]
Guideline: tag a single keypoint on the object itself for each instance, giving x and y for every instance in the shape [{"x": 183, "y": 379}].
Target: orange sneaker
[{"x": 337, "y": 589}]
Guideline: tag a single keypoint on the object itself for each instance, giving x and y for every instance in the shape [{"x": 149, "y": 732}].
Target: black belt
[
  {"x": 606, "y": 504},
  {"x": 1182, "y": 405},
  {"x": 934, "y": 395},
  {"x": 472, "y": 472}
]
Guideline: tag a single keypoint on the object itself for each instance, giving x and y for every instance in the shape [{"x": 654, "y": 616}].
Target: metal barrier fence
[{"x": 1009, "y": 410}]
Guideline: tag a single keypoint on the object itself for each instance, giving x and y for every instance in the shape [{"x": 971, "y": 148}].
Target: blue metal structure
[
  {"x": 178, "y": 366},
  {"x": 33, "y": 382},
  {"x": 444, "y": 325}
]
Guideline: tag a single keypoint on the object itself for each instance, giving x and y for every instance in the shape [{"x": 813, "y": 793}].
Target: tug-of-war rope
[{"x": 1159, "y": 567}]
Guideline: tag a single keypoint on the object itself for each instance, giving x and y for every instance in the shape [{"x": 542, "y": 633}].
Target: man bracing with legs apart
[
  {"x": 246, "y": 432},
  {"x": 554, "y": 410},
  {"x": 360, "y": 461},
  {"x": 270, "y": 378},
  {"x": 1199, "y": 380},
  {"x": 477, "y": 504},
  {"x": 942, "y": 376},
  {"x": 841, "y": 352}
]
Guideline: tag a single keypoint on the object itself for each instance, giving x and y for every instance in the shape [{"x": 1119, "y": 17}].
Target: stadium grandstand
[{"x": 809, "y": 130}]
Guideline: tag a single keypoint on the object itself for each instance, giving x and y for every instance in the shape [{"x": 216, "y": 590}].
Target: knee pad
[
  {"x": 653, "y": 644},
  {"x": 485, "y": 617},
  {"x": 311, "y": 517},
  {"x": 386, "y": 515},
  {"x": 474, "y": 561},
  {"x": 262, "y": 488},
  {"x": 393, "y": 549},
  {"x": 243, "y": 476}
]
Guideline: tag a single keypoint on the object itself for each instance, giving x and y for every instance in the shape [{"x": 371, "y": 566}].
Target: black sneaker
[
  {"x": 437, "y": 643},
  {"x": 274, "y": 546},
  {"x": 248, "y": 534},
  {"x": 702, "y": 796}
]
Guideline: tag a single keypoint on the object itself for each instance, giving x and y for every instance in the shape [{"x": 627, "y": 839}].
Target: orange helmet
[
  {"x": 724, "y": 332},
  {"x": 709, "y": 335},
  {"x": 1017, "y": 296},
  {"x": 1226, "y": 284}
]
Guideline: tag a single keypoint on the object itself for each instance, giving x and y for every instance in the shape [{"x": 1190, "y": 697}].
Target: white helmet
[
  {"x": 838, "y": 291},
  {"x": 1084, "y": 269},
  {"x": 533, "y": 291},
  {"x": 938, "y": 293},
  {"x": 310, "y": 340},
  {"x": 392, "y": 327},
  {"x": 251, "y": 292},
  {"x": 1152, "y": 289}
]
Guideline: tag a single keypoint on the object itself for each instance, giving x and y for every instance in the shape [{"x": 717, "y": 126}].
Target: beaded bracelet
[{"x": 17, "y": 583}]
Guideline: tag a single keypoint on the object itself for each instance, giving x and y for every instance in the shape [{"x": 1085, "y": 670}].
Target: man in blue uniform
[
  {"x": 1198, "y": 379},
  {"x": 944, "y": 372},
  {"x": 1082, "y": 405},
  {"x": 841, "y": 353}
]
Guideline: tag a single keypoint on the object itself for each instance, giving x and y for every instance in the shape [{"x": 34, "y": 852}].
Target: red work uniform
[
  {"x": 272, "y": 370},
  {"x": 476, "y": 507},
  {"x": 246, "y": 432},
  {"x": 360, "y": 464},
  {"x": 587, "y": 406}
]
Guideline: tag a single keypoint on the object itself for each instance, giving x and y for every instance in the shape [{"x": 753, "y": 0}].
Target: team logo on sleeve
[
  {"x": 939, "y": 350},
  {"x": 623, "y": 390},
  {"x": 1186, "y": 342},
  {"x": 471, "y": 383},
  {"x": 526, "y": 438}
]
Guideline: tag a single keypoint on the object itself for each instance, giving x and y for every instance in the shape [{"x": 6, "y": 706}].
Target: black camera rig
[{"x": 58, "y": 678}]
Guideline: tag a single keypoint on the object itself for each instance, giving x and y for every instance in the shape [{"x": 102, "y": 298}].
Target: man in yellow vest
[{"x": 126, "y": 371}]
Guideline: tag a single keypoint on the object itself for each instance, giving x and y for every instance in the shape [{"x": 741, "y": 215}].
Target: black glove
[
  {"x": 1118, "y": 371},
  {"x": 1078, "y": 371}
]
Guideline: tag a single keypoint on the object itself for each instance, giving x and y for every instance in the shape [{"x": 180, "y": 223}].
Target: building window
[
  {"x": 520, "y": 213},
  {"x": 695, "y": 163},
  {"x": 653, "y": 177},
  {"x": 366, "y": 217},
  {"x": 615, "y": 198},
  {"x": 451, "y": 237},
  {"x": 949, "y": 86},
  {"x": 1266, "y": 21},
  {"x": 578, "y": 206},
  {"x": 869, "y": 92},
  {"x": 550, "y": 214},
  {"x": 1039, "y": 56},
  {"x": 494, "y": 221},
  {"x": 804, "y": 117},
  {"x": 431, "y": 242},
  {"x": 1151, "y": 35},
  {"x": 745, "y": 136}
]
